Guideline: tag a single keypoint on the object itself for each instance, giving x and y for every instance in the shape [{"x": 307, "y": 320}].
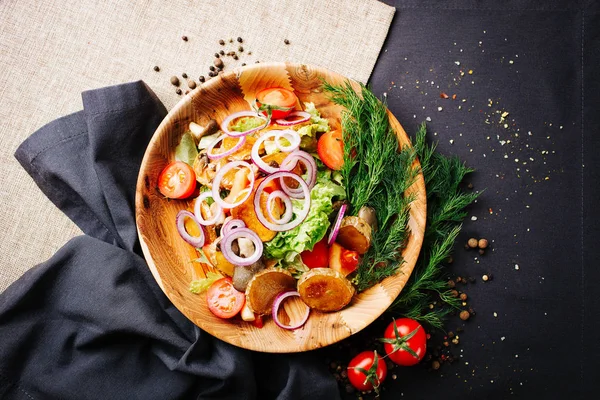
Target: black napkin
[{"x": 91, "y": 322}]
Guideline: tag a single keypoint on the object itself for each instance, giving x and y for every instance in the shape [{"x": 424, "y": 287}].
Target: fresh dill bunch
[
  {"x": 446, "y": 204},
  {"x": 375, "y": 174}
]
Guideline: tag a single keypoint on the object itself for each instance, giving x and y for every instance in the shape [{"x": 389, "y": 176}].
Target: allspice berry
[
  {"x": 482, "y": 243},
  {"x": 218, "y": 63},
  {"x": 191, "y": 84},
  {"x": 175, "y": 81},
  {"x": 473, "y": 243},
  {"x": 464, "y": 315}
]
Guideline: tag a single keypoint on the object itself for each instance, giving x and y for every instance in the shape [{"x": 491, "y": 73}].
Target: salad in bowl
[{"x": 269, "y": 219}]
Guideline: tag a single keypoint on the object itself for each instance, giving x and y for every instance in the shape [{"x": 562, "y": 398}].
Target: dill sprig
[
  {"x": 376, "y": 174},
  {"x": 446, "y": 203}
]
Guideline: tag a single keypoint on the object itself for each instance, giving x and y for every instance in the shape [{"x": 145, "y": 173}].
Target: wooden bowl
[{"x": 169, "y": 257}]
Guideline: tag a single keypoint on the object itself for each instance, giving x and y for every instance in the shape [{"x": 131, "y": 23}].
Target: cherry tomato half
[
  {"x": 281, "y": 100},
  {"x": 362, "y": 373},
  {"x": 223, "y": 299},
  {"x": 407, "y": 343},
  {"x": 318, "y": 257},
  {"x": 177, "y": 180},
  {"x": 331, "y": 149}
]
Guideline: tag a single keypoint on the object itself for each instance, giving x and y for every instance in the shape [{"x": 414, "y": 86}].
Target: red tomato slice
[
  {"x": 318, "y": 257},
  {"x": 177, "y": 180},
  {"x": 223, "y": 299},
  {"x": 277, "y": 97},
  {"x": 331, "y": 149}
]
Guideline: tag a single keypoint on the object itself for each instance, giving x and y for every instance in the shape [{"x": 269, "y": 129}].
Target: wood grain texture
[{"x": 169, "y": 257}]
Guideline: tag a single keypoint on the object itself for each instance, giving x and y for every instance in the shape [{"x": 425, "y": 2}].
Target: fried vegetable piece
[
  {"x": 265, "y": 286},
  {"x": 355, "y": 234},
  {"x": 325, "y": 289},
  {"x": 217, "y": 259}
]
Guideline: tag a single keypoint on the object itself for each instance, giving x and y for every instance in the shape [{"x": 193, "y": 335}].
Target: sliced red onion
[
  {"x": 256, "y": 147},
  {"x": 216, "y": 183},
  {"x": 287, "y": 216},
  {"x": 277, "y": 304},
  {"x": 198, "y": 213},
  {"x": 212, "y": 156},
  {"x": 231, "y": 225},
  {"x": 240, "y": 114},
  {"x": 304, "y": 116},
  {"x": 336, "y": 227},
  {"x": 196, "y": 241},
  {"x": 311, "y": 170},
  {"x": 299, "y": 217},
  {"x": 238, "y": 233},
  {"x": 292, "y": 136}
]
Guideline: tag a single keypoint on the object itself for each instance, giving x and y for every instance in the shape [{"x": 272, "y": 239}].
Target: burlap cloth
[{"x": 51, "y": 51}]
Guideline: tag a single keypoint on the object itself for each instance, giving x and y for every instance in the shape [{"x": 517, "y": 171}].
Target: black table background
[{"x": 534, "y": 332}]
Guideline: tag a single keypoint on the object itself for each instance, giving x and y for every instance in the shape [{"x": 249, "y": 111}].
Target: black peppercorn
[
  {"x": 178, "y": 91},
  {"x": 185, "y": 38},
  {"x": 240, "y": 40},
  {"x": 212, "y": 67},
  {"x": 222, "y": 42},
  {"x": 286, "y": 41},
  {"x": 156, "y": 68},
  {"x": 202, "y": 78},
  {"x": 240, "y": 49},
  {"x": 175, "y": 81},
  {"x": 184, "y": 75}
]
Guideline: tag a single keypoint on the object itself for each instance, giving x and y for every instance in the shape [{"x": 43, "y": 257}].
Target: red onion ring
[
  {"x": 336, "y": 227},
  {"x": 277, "y": 304},
  {"x": 287, "y": 216},
  {"x": 299, "y": 218},
  {"x": 212, "y": 156},
  {"x": 292, "y": 136},
  {"x": 231, "y": 225},
  {"x": 235, "y": 234},
  {"x": 198, "y": 212},
  {"x": 305, "y": 116},
  {"x": 311, "y": 170},
  {"x": 256, "y": 147},
  {"x": 216, "y": 184},
  {"x": 196, "y": 241},
  {"x": 227, "y": 121}
]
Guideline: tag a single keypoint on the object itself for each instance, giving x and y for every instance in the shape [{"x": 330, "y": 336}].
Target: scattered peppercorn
[
  {"x": 454, "y": 293},
  {"x": 464, "y": 315},
  {"x": 240, "y": 40},
  {"x": 243, "y": 64},
  {"x": 481, "y": 252},
  {"x": 470, "y": 186},
  {"x": 463, "y": 296},
  {"x": 451, "y": 283},
  {"x": 175, "y": 81},
  {"x": 222, "y": 42},
  {"x": 286, "y": 41},
  {"x": 184, "y": 75},
  {"x": 217, "y": 55},
  {"x": 202, "y": 79},
  {"x": 235, "y": 57},
  {"x": 212, "y": 67},
  {"x": 178, "y": 91},
  {"x": 212, "y": 74},
  {"x": 191, "y": 84},
  {"x": 455, "y": 341},
  {"x": 186, "y": 92},
  {"x": 472, "y": 243},
  {"x": 450, "y": 334},
  {"x": 435, "y": 364},
  {"x": 483, "y": 243},
  {"x": 185, "y": 38},
  {"x": 156, "y": 68},
  {"x": 449, "y": 260},
  {"x": 221, "y": 52},
  {"x": 485, "y": 278},
  {"x": 218, "y": 63},
  {"x": 240, "y": 49}
]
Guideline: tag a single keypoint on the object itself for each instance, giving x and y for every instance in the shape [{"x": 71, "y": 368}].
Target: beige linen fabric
[{"x": 52, "y": 50}]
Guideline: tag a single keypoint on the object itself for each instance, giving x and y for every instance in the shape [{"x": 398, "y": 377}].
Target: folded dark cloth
[{"x": 91, "y": 322}]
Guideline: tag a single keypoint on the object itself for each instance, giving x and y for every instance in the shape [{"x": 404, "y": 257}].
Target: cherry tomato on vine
[
  {"x": 367, "y": 371},
  {"x": 405, "y": 341}
]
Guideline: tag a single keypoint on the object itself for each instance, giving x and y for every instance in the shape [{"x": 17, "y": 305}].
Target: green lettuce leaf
[
  {"x": 200, "y": 285},
  {"x": 246, "y": 123},
  {"x": 316, "y": 119},
  {"x": 287, "y": 245}
]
